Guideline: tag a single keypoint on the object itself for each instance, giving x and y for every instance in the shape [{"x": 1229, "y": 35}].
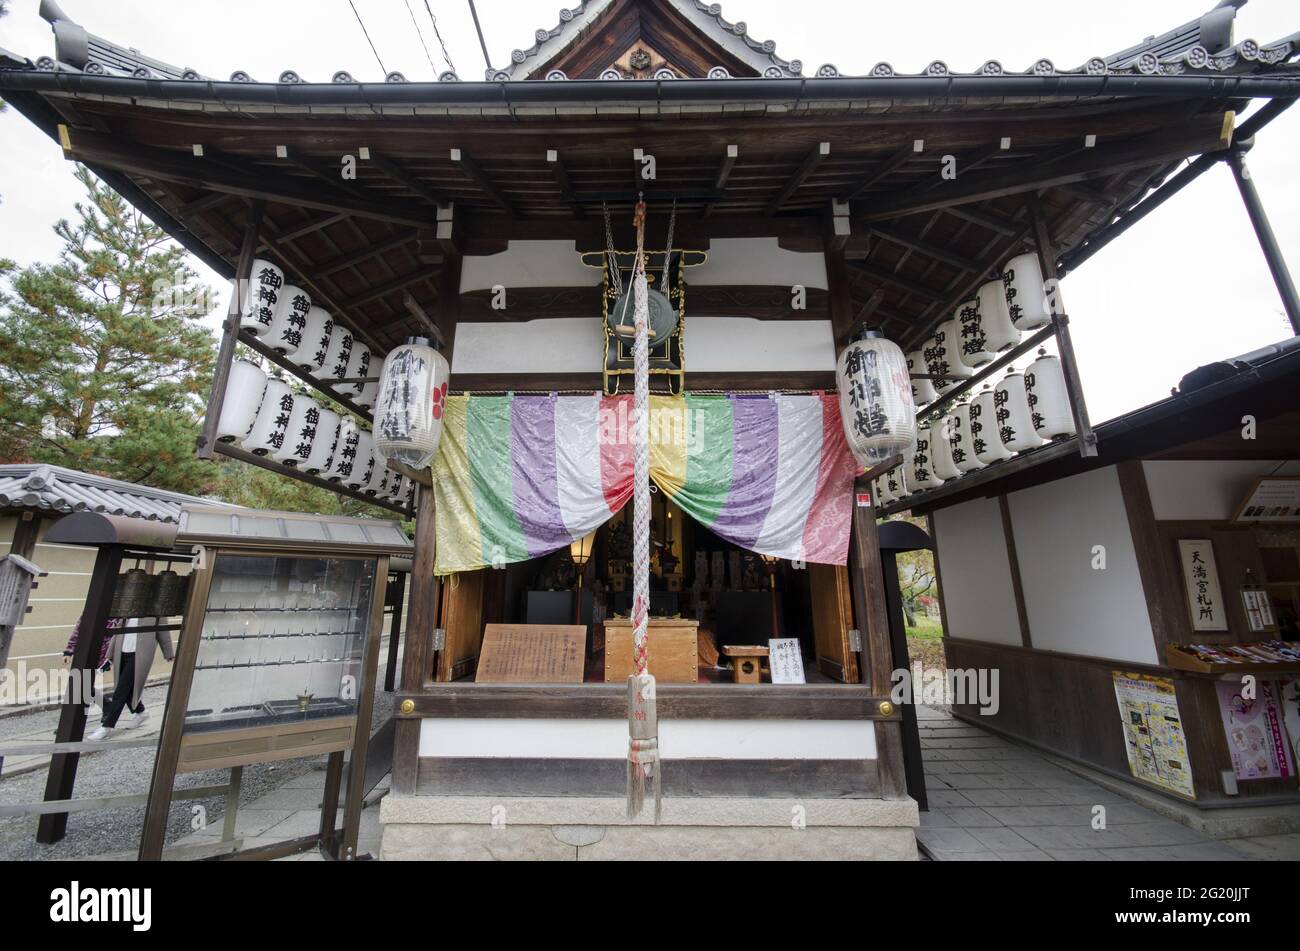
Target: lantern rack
[
  {"x": 271, "y": 637},
  {"x": 269, "y": 663},
  {"x": 287, "y": 364},
  {"x": 984, "y": 372}
]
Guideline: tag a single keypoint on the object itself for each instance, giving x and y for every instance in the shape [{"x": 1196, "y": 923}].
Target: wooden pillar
[
  {"x": 24, "y": 546},
  {"x": 230, "y": 330},
  {"x": 398, "y": 601},
  {"x": 914, "y": 767},
  {"x": 1061, "y": 325},
  {"x": 866, "y": 574},
  {"x": 417, "y": 661},
  {"x": 1273, "y": 256},
  {"x": 62, "y": 776}
]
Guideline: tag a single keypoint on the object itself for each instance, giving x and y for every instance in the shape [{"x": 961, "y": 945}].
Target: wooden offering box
[{"x": 671, "y": 643}]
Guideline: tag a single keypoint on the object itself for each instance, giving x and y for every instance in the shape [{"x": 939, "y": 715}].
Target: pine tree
[{"x": 104, "y": 361}]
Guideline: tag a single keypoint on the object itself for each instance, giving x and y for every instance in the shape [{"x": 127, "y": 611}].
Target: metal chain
[
  {"x": 668, "y": 252},
  {"x": 615, "y": 278}
]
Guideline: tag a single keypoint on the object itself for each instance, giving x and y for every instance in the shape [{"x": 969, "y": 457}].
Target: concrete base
[{"x": 434, "y": 827}]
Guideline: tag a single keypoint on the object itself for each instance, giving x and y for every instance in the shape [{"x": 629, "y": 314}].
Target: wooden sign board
[
  {"x": 532, "y": 654},
  {"x": 785, "y": 660},
  {"x": 1201, "y": 582},
  {"x": 1271, "y": 499}
]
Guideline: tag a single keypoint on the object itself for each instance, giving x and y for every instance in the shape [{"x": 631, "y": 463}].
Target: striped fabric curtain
[{"x": 521, "y": 476}]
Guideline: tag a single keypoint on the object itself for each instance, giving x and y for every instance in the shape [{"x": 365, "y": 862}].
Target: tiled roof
[
  {"x": 1203, "y": 46},
  {"x": 56, "y": 489}
]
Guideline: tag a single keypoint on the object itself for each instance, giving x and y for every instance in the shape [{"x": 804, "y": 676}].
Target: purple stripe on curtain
[
  {"x": 755, "y": 449},
  {"x": 537, "y": 494}
]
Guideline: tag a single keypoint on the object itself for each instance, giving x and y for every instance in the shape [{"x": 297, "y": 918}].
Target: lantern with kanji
[
  {"x": 358, "y": 367},
  {"x": 922, "y": 475},
  {"x": 984, "y": 437},
  {"x": 961, "y": 440},
  {"x": 300, "y": 434},
  {"x": 881, "y": 493},
  {"x": 995, "y": 318},
  {"x": 270, "y": 430},
  {"x": 315, "y": 344},
  {"x": 1049, "y": 401},
  {"x": 261, "y": 297},
  {"x": 896, "y": 481},
  {"x": 943, "y": 357},
  {"x": 922, "y": 390},
  {"x": 244, "y": 389},
  {"x": 363, "y": 469},
  {"x": 337, "y": 357},
  {"x": 411, "y": 402},
  {"x": 1015, "y": 422},
  {"x": 327, "y": 438},
  {"x": 1025, "y": 293},
  {"x": 973, "y": 347},
  {"x": 345, "y": 453},
  {"x": 876, "y": 405},
  {"x": 941, "y": 449},
  {"x": 285, "y": 334}
]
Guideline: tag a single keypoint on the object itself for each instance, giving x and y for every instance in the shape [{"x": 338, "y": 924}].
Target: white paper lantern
[
  {"x": 876, "y": 405},
  {"x": 411, "y": 403},
  {"x": 358, "y": 366},
  {"x": 880, "y": 493},
  {"x": 942, "y": 356},
  {"x": 327, "y": 438},
  {"x": 315, "y": 340},
  {"x": 995, "y": 318},
  {"x": 973, "y": 351},
  {"x": 364, "y": 467},
  {"x": 369, "y": 392},
  {"x": 243, "y": 399},
  {"x": 1025, "y": 294},
  {"x": 261, "y": 296},
  {"x": 337, "y": 357},
  {"x": 285, "y": 333},
  {"x": 1015, "y": 422},
  {"x": 345, "y": 453},
  {"x": 300, "y": 434},
  {"x": 959, "y": 438},
  {"x": 941, "y": 449},
  {"x": 268, "y": 432},
  {"x": 380, "y": 475},
  {"x": 984, "y": 428},
  {"x": 922, "y": 390},
  {"x": 397, "y": 488},
  {"x": 896, "y": 480},
  {"x": 1049, "y": 401},
  {"x": 921, "y": 475}
]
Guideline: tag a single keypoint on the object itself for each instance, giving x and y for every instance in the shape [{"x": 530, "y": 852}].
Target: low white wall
[
  {"x": 1073, "y": 607},
  {"x": 678, "y": 739},
  {"x": 978, "y": 599}
]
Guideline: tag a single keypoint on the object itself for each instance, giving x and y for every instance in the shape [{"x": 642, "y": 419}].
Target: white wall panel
[
  {"x": 978, "y": 599},
  {"x": 1194, "y": 489},
  {"x": 1073, "y": 607},
  {"x": 528, "y": 264}
]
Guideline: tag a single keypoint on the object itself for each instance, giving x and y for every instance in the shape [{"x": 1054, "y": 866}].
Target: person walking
[
  {"x": 102, "y": 664},
  {"x": 132, "y": 656}
]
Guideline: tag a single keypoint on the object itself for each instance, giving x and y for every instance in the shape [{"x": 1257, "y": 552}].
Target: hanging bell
[{"x": 131, "y": 594}]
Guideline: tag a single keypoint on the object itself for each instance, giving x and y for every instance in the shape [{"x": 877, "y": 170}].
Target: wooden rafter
[
  {"x": 809, "y": 165},
  {"x": 565, "y": 184},
  {"x": 474, "y": 172},
  {"x": 928, "y": 248},
  {"x": 403, "y": 177},
  {"x": 891, "y": 164}
]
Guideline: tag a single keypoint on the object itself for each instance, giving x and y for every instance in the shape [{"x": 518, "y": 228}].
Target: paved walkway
[{"x": 991, "y": 799}]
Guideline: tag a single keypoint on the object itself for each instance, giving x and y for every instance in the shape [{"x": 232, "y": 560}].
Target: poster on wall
[
  {"x": 1271, "y": 499},
  {"x": 1201, "y": 581},
  {"x": 785, "y": 660},
  {"x": 1153, "y": 731},
  {"x": 1289, "y": 689},
  {"x": 1256, "y": 735}
]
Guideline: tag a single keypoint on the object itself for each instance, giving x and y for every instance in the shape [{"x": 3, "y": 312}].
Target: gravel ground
[{"x": 122, "y": 773}]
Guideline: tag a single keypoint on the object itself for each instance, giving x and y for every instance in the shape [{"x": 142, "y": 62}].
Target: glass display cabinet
[{"x": 278, "y": 649}]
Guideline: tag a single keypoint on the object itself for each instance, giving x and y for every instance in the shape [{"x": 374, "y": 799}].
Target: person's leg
[{"x": 122, "y": 691}]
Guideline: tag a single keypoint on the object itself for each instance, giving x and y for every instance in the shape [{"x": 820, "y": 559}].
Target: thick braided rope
[{"x": 641, "y": 488}]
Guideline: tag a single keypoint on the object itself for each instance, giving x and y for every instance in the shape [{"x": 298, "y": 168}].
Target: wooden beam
[
  {"x": 404, "y": 178},
  {"x": 565, "y": 184},
  {"x": 729, "y": 156},
  {"x": 382, "y": 290},
  {"x": 424, "y": 320},
  {"x": 171, "y": 166},
  {"x": 921, "y": 246},
  {"x": 474, "y": 172},
  {"x": 310, "y": 226},
  {"x": 1198, "y": 136},
  {"x": 809, "y": 165},
  {"x": 365, "y": 253},
  {"x": 1006, "y": 227},
  {"x": 891, "y": 164},
  {"x": 879, "y": 273}
]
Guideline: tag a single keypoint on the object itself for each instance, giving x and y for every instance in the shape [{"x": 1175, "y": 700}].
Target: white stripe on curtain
[{"x": 799, "y": 447}]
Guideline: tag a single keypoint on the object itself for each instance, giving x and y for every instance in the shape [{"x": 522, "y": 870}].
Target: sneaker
[
  {"x": 136, "y": 720},
  {"x": 101, "y": 734}
]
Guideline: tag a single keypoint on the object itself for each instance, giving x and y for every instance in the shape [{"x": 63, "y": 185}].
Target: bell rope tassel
[{"x": 642, "y": 721}]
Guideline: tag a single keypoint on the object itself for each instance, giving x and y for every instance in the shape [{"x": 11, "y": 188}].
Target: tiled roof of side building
[{"x": 56, "y": 489}]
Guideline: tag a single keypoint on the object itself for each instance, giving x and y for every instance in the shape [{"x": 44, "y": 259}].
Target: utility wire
[
  {"x": 479, "y": 29},
  {"x": 368, "y": 39},
  {"x": 420, "y": 34},
  {"x": 436, "y": 32}
]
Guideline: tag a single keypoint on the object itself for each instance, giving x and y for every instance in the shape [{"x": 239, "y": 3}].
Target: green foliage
[{"x": 101, "y": 369}]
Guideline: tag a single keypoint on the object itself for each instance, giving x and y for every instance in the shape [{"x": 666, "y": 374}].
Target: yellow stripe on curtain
[
  {"x": 460, "y": 540},
  {"x": 669, "y": 438}
]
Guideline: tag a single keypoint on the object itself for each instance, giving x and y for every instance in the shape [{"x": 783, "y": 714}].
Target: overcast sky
[{"x": 1185, "y": 287}]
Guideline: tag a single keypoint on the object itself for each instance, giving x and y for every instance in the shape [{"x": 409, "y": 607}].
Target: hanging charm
[{"x": 643, "y": 724}]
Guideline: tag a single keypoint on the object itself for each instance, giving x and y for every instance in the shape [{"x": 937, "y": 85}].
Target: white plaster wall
[
  {"x": 1071, "y": 606},
  {"x": 712, "y": 344},
  {"x": 528, "y": 264},
  {"x": 1207, "y": 489},
  {"x": 757, "y": 261},
  {"x": 678, "y": 739},
  {"x": 978, "y": 599}
]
